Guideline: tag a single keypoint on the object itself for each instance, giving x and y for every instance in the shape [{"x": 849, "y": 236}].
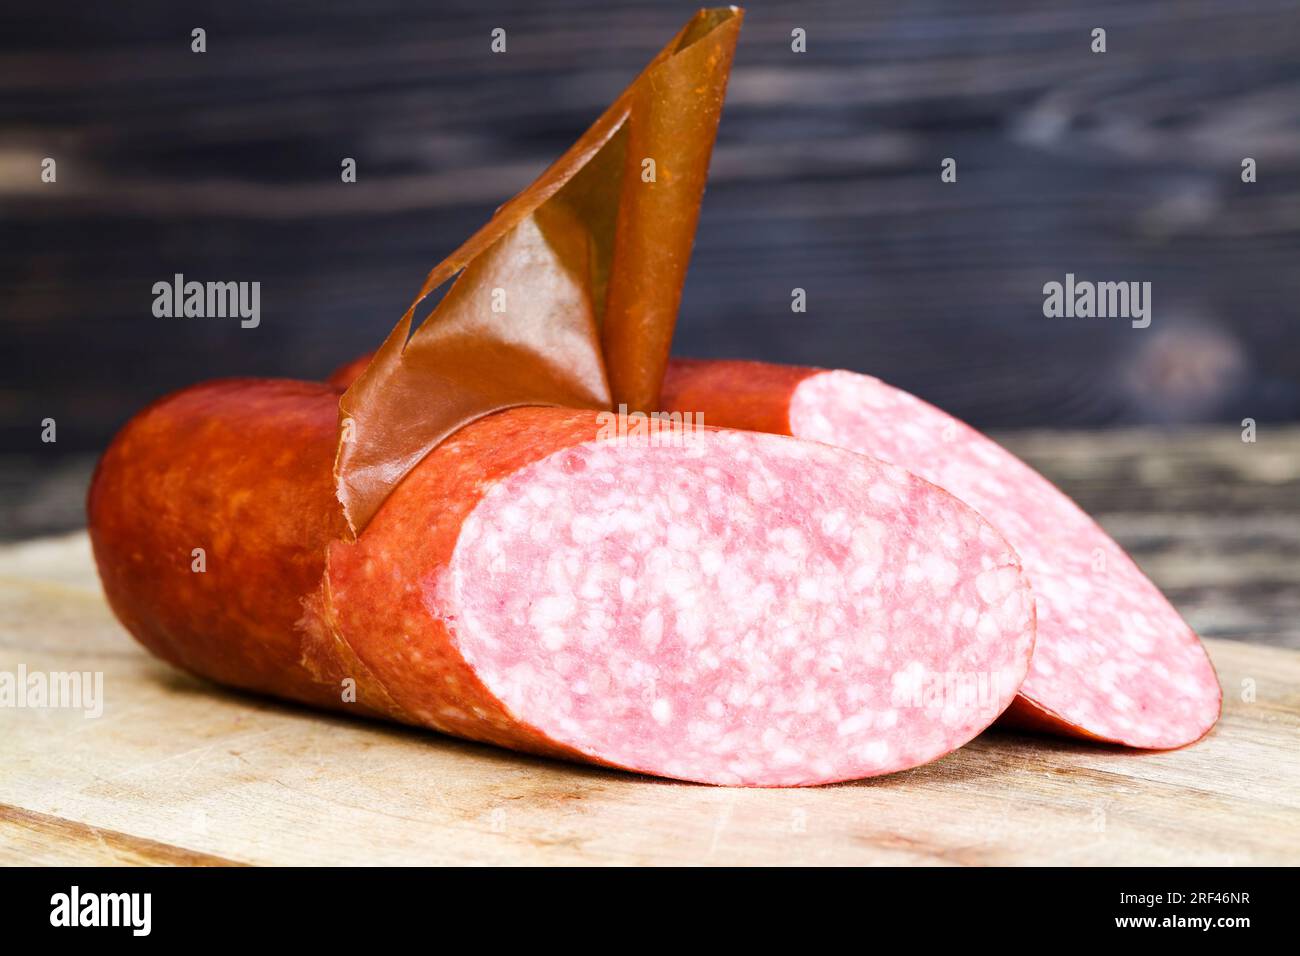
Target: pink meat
[
  {"x": 1113, "y": 658},
  {"x": 753, "y": 610}
]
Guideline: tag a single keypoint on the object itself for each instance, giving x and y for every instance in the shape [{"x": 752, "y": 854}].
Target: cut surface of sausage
[
  {"x": 749, "y": 610},
  {"x": 1113, "y": 658}
]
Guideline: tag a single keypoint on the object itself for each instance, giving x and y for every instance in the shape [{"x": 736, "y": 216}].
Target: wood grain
[
  {"x": 177, "y": 770},
  {"x": 27, "y": 837}
]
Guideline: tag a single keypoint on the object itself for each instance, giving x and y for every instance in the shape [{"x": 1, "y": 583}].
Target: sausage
[
  {"x": 717, "y": 606},
  {"x": 1114, "y": 661}
]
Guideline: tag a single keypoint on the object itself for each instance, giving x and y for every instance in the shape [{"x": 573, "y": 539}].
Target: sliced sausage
[
  {"x": 1114, "y": 661},
  {"x": 726, "y": 606}
]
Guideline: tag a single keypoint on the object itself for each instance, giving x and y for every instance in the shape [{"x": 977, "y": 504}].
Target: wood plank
[
  {"x": 177, "y": 763},
  {"x": 27, "y": 838}
]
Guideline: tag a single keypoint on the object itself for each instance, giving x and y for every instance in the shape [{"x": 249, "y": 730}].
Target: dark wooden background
[{"x": 226, "y": 166}]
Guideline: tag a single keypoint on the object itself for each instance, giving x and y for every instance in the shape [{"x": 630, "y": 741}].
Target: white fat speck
[
  {"x": 626, "y": 588},
  {"x": 701, "y": 730},
  {"x": 652, "y": 628},
  {"x": 780, "y": 563},
  {"x": 692, "y": 628},
  {"x": 940, "y": 572},
  {"x": 552, "y": 609},
  {"x": 1008, "y": 679},
  {"x": 913, "y": 573},
  {"x": 987, "y": 629},
  {"x": 1068, "y": 652},
  {"x": 863, "y": 576},
  {"x": 789, "y": 636},
  {"x": 908, "y": 681},
  {"x": 996, "y": 584},
  {"x": 792, "y": 540},
  {"x": 512, "y": 516},
  {"x": 868, "y": 541},
  {"x": 683, "y": 537},
  {"x": 662, "y": 711},
  {"x": 540, "y": 494},
  {"x": 659, "y": 560},
  {"x": 629, "y": 519},
  {"x": 711, "y": 561},
  {"x": 810, "y": 700},
  {"x": 851, "y": 725},
  {"x": 883, "y": 493},
  {"x": 833, "y": 522},
  {"x": 679, "y": 582},
  {"x": 786, "y": 757},
  {"x": 809, "y": 589},
  {"x": 585, "y": 529},
  {"x": 875, "y": 753}
]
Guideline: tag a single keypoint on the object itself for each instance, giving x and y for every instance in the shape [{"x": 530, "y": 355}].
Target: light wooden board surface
[{"x": 180, "y": 771}]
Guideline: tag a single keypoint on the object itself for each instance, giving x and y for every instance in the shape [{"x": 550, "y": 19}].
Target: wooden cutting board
[{"x": 180, "y": 771}]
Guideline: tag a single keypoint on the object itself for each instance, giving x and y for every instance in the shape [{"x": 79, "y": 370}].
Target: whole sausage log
[{"x": 717, "y": 606}]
